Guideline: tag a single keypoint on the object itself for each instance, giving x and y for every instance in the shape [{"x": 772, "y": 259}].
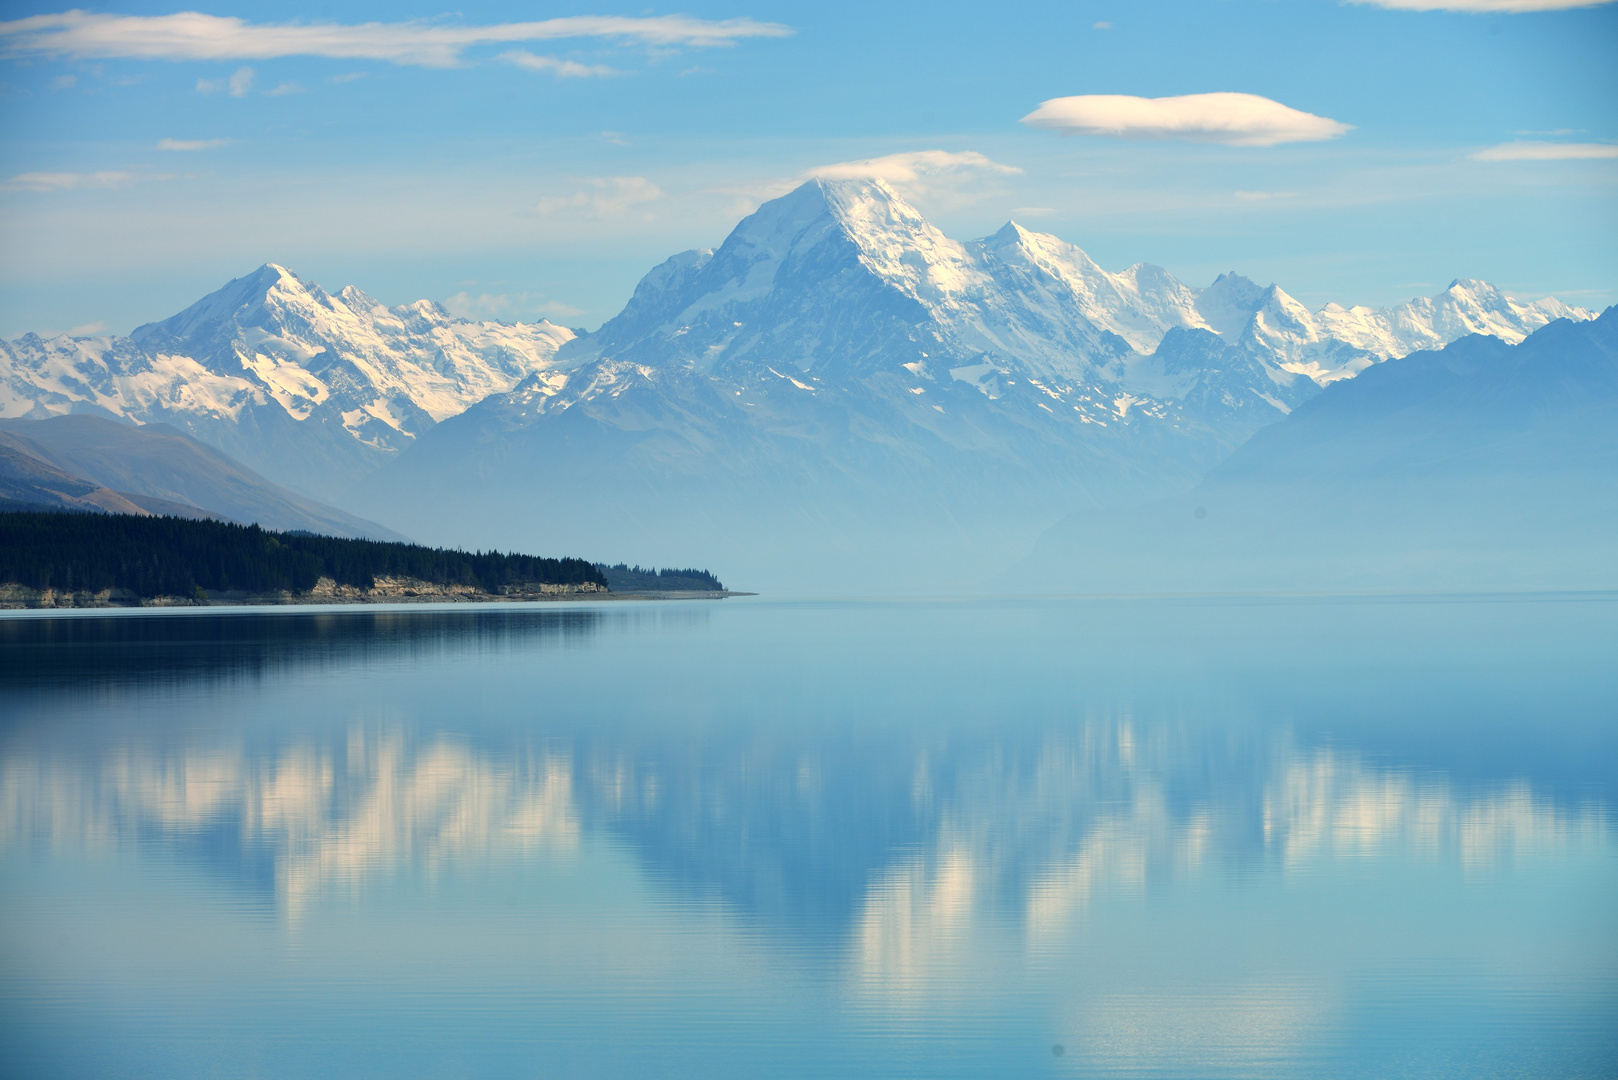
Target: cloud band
[{"x": 190, "y": 35}]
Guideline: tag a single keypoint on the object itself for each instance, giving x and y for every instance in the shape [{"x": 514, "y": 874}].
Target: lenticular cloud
[{"x": 1228, "y": 118}]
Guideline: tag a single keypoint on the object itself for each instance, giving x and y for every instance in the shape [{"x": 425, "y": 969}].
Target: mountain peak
[
  {"x": 1227, "y": 306},
  {"x": 241, "y": 301}
]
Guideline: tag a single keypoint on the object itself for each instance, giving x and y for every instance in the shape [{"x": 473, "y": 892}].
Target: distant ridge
[{"x": 1479, "y": 466}]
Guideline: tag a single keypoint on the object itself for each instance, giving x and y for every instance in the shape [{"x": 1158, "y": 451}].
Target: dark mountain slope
[
  {"x": 28, "y": 478},
  {"x": 164, "y": 471}
]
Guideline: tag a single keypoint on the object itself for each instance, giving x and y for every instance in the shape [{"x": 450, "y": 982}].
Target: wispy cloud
[
  {"x": 347, "y": 77},
  {"x": 601, "y": 197},
  {"x": 1229, "y": 118},
  {"x": 562, "y": 69},
  {"x": 193, "y": 36},
  {"x": 64, "y": 82},
  {"x": 1483, "y": 7},
  {"x": 192, "y": 144},
  {"x": 465, "y": 305},
  {"x": 615, "y": 138},
  {"x": 239, "y": 84},
  {"x": 284, "y": 89},
  {"x": 74, "y": 181},
  {"x": 1524, "y": 150}
]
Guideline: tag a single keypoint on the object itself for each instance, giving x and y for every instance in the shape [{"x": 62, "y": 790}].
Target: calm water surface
[{"x": 755, "y": 839}]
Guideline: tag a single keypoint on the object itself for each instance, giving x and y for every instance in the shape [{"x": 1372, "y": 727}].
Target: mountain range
[
  {"x": 312, "y": 390},
  {"x": 1480, "y": 466},
  {"x": 839, "y": 393}
]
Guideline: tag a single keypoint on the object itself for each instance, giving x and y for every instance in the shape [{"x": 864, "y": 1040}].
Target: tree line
[
  {"x": 624, "y": 578},
  {"x": 165, "y": 556}
]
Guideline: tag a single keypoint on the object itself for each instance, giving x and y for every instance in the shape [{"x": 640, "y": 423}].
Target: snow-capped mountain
[
  {"x": 841, "y": 389},
  {"x": 838, "y": 373},
  {"x": 785, "y": 283},
  {"x": 312, "y": 390}
]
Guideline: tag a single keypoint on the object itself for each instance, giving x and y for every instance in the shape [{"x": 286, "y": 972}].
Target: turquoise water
[{"x": 1334, "y": 838}]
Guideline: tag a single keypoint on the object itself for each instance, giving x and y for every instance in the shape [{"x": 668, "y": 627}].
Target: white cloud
[
  {"x": 908, "y": 168},
  {"x": 89, "y": 329},
  {"x": 1524, "y": 150},
  {"x": 284, "y": 89},
  {"x": 1483, "y": 7},
  {"x": 562, "y": 69},
  {"x": 193, "y": 36},
  {"x": 346, "y": 77},
  {"x": 192, "y": 144},
  {"x": 64, "y": 82},
  {"x": 602, "y": 197},
  {"x": 615, "y": 138},
  {"x": 1228, "y": 118},
  {"x": 68, "y": 181},
  {"x": 1102, "y": 26},
  {"x": 949, "y": 177}
]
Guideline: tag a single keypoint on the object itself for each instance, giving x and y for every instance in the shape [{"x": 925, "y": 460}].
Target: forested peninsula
[{"x": 50, "y": 560}]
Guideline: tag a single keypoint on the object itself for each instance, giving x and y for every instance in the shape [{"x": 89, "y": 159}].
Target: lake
[{"x": 750, "y": 838}]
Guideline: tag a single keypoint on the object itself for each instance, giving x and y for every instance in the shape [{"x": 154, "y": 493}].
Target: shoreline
[
  {"x": 107, "y": 602},
  {"x": 339, "y": 606}
]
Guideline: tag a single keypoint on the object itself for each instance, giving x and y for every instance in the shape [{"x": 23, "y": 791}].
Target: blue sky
[{"x": 515, "y": 172}]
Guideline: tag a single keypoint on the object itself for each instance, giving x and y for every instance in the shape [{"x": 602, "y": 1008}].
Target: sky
[{"x": 518, "y": 161}]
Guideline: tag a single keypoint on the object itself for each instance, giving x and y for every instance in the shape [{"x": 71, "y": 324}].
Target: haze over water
[{"x": 751, "y": 838}]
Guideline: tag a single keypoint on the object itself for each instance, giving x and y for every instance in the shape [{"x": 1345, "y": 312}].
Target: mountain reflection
[
  {"x": 212, "y": 649},
  {"x": 896, "y": 853},
  {"x": 1113, "y": 813},
  {"x": 325, "y": 821}
]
